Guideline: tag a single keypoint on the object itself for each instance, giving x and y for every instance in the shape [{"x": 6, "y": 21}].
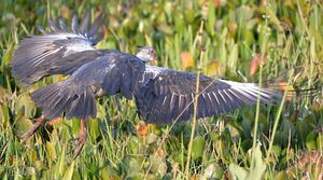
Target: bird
[{"x": 162, "y": 95}]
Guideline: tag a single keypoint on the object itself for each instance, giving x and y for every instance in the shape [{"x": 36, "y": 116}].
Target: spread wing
[
  {"x": 109, "y": 74},
  {"x": 41, "y": 55},
  {"x": 168, "y": 95}
]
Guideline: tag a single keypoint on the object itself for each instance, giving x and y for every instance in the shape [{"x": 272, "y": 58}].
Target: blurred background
[{"x": 278, "y": 43}]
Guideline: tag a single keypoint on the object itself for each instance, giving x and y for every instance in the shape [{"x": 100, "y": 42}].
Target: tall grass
[{"x": 270, "y": 142}]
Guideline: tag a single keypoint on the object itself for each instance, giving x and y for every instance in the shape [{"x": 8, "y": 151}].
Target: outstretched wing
[
  {"x": 42, "y": 55},
  {"x": 107, "y": 74},
  {"x": 168, "y": 95}
]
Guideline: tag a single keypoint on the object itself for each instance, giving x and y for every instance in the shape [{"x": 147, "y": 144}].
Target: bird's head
[{"x": 146, "y": 54}]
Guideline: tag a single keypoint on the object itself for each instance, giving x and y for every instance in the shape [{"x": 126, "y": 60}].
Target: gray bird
[{"x": 162, "y": 95}]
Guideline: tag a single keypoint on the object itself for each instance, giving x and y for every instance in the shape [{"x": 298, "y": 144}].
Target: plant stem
[
  {"x": 194, "y": 120},
  {"x": 272, "y": 137},
  {"x": 255, "y": 131}
]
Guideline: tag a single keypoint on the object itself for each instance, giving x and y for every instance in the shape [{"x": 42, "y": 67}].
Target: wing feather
[
  {"x": 85, "y": 23},
  {"x": 75, "y": 24},
  {"x": 112, "y": 73},
  {"x": 214, "y": 96},
  {"x": 37, "y": 55}
]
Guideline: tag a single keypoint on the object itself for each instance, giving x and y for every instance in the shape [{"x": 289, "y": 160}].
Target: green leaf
[
  {"x": 311, "y": 141},
  {"x": 223, "y": 50},
  {"x": 233, "y": 58},
  {"x": 61, "y": 164},
  {"x": 258, "y": 167},
  {"x": 133, "y": 166},
  {"x": 256, "y": 171},
  {"x": 8, "y": 54},
  {"x": 108, "y": 173},
  {"x": 213, "y": 171},
  {"x": 158, "y": 165},
  {"x": 51, "y": 151},
  {"x": 4, "y": 116},
  {"x": 282, "y": 175},
  {"x": 21, "y": 125},
  {"x": 25, "y": 104},
  {"x": 198, "y": 147},
  {"x": 189, "y": 15},
  {"x": 94, "y": 130},
  {"x": 238, "y": 172},
  {"x": 319, "y": 140},
  {"x": 211, "y": 19},
  {"x": 69, "y": 172}
]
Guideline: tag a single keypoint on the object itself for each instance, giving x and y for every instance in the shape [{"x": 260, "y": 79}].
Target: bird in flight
[{"x": 162, "y": 95}]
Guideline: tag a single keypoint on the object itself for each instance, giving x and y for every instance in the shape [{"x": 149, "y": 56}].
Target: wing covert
[{"x": 113, "y": 72}]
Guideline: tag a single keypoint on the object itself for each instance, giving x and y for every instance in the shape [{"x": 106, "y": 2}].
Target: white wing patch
[
  {"x": 249, "y": 90},
  {"x": 78, "y": 48}
]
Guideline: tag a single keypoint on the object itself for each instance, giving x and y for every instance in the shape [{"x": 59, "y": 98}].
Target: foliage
[{"x": 279, "y": 42}]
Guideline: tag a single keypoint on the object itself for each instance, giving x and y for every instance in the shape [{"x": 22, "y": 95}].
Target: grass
[{"x": 260, "y": 142}]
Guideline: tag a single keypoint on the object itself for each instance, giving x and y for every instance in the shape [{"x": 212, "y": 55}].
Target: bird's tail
[{"x": 65, "y": 98}]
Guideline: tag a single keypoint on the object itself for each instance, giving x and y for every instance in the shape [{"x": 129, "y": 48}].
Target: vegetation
[{"x": 275, "y": 43}]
